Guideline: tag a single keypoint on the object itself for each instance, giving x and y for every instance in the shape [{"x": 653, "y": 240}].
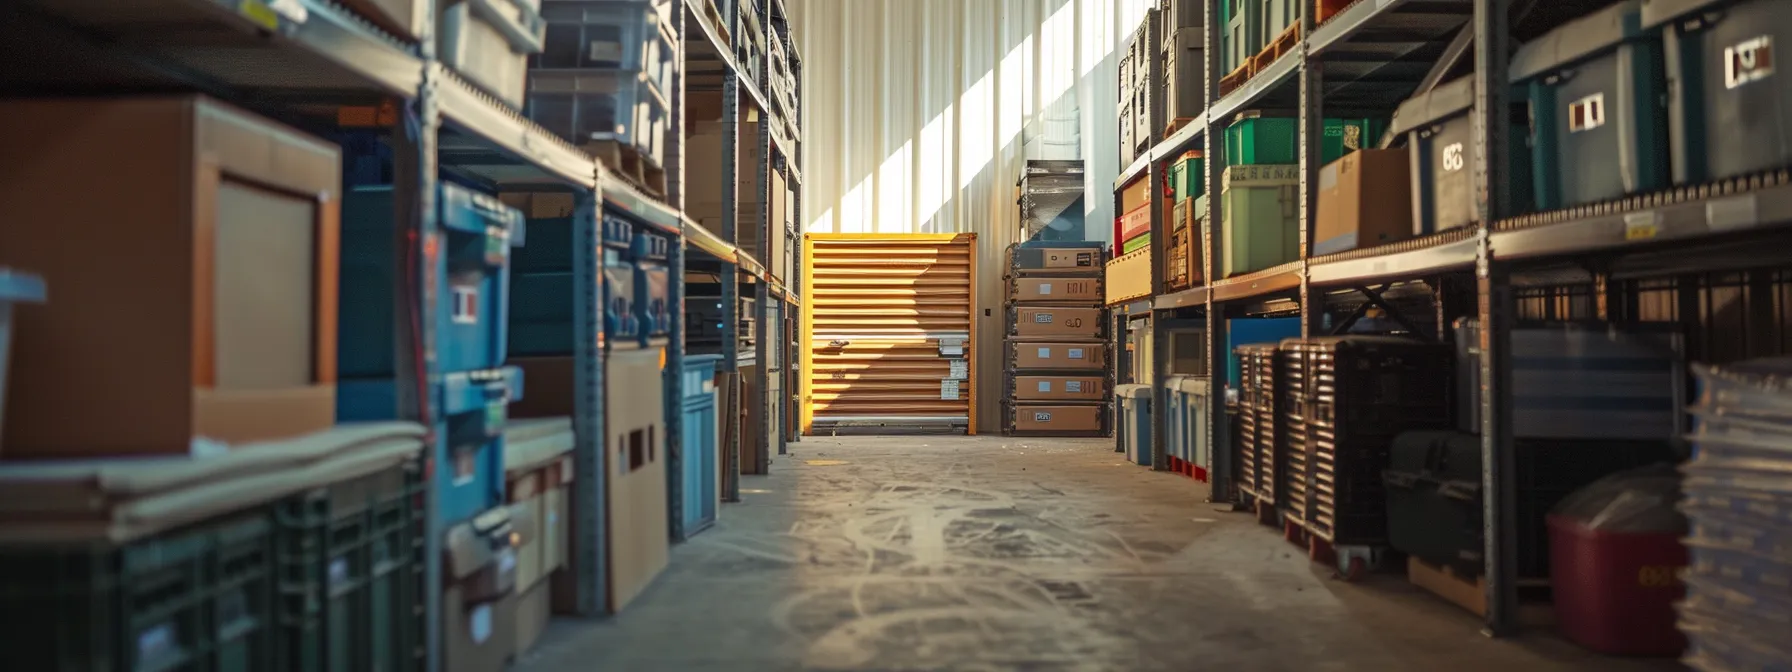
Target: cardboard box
[
  {"x": 1059, "y": 355},
  {"x": 1129, "y": 277},
  {"x": 1056, "y": 322},
  {"x": 1057, "y": 418},
  {"x": 1060, "y": 388},
  {"x": 193, "y": 277},
  {"x": 1364, "y": 200},
  {"x": 1136, "y": 195},
  {"x": 1088, "y": 259},
  {"x": 1136, "y": 222},
  {"x": 1085, "y": 289}
]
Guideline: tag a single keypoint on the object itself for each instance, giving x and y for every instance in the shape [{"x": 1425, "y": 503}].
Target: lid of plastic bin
[
  {"x": 16, "y": 287},
  {"x": 1657, "y": 12},
  {"x": 1578, "y": 39},
  {"x": 1195, "y": 384},
  {"x": 1132, "y": 391},
  {"x": 1441, "y": 102},
  {"x": 535, "y": 442}
]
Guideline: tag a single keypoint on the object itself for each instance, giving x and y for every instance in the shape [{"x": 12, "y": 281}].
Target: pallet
[
  {"x": 1468, "y": 592},
  {"x": 715, "y": 20},
  {"x": 1278, "y": 47},
  {"x": 1237, "y": 78},
  {"x": 625, "y": 160},
  {"x": 1176, "y": 125}
]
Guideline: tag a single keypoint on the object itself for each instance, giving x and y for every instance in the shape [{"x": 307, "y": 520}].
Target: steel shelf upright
[{"x": 1219, "y": 467}]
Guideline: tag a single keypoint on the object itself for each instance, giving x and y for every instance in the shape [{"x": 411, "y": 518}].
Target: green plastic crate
[
  {"x": 351, "y": 574},
  {"x": 1136, "y": 244},
  {"x": 1276, "y": 140},
  {"x": 1188, "y": 178},
  {"x": 1259, "y": 213},
  {"x": 195, "y": 598}
]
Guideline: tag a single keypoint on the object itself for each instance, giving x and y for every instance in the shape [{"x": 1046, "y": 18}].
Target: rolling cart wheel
[{"x": 1355, "y": 570}]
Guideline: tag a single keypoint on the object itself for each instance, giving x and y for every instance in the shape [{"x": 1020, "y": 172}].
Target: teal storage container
[
  {"x": 1186, "y": 440},
  {"x": 1188, "y": 177},
  {"x": 1730, "y": 113},
  {"x": 700, "y": 442},
  {"x": 1134, "y": 404},
  {"x": 1597, "y": 92},
  {"x": 474, "y": 266},
  {"x": 1260, "y": 212}
]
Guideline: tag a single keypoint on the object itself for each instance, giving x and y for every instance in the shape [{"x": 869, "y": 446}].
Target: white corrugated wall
[{"x": 919, "y": 114}]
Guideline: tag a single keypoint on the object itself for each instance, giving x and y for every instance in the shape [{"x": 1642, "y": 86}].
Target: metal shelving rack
[
  {"x": 295, "y": 59},
  {"x": 1345, "y": 63}
]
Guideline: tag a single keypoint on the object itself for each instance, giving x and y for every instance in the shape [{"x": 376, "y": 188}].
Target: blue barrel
[{"x": 701, "y": 436}]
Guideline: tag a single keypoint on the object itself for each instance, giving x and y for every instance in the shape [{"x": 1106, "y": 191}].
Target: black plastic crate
[
  {"x": 196, "y": 598},
  {"x": 1359, "y": 393},
  {"x": 350, "y": 561}
]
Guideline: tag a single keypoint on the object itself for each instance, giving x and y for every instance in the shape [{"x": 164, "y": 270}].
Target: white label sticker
[
  {"x": 949, "y": 390},
  {"x": 1453, "y": 159},
  {"x": 1074, "y": 353},
  {"x": 466, "y": 305},
  {"x": 1042, "y": 416},
  {"x": 1073, "y": 386},
  {"x": 961, "y": 369},
  {"x": 479, "y": 623},
  {"x": 1045, "y": 386},
  {"x": 1042, "y": 318},
  {"x": 1748, "y": 61},
  {"x": 1045, "y": 353},
  {"x": 1045, "y": 289}
]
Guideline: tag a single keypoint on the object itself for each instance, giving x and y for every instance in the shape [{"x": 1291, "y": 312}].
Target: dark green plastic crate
[
  {"x": 1187, "y": 178},
  {"x": 198, "y": 599},
  {"x": 1276, "y": 140},
  {"x": 350, "y": 563}
]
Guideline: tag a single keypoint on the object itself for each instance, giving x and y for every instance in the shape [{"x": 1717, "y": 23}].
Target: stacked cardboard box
[{"x": 1057, "y": 353}]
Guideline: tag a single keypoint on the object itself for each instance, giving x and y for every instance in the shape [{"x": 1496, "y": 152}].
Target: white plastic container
[
  {"x": 14, "y": 288},
  {"x": 489, "y": 42}
]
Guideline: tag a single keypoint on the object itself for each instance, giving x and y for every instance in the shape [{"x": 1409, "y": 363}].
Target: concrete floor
[{"x": 993, "y": 553}]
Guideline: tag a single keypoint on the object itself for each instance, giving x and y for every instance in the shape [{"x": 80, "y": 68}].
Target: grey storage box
[
  {"x": 1729, "y": 115},
  {"x": 1598, "y": 113},
  {"x": 489, "y": 42},
  {"x": 1581, "y": 381},
  {"x": 609, "y": 35},
  {"x": 586, "y": 106},
  {"x": 1441, "y": 142},
  {"x": 1183, "y": 70}
]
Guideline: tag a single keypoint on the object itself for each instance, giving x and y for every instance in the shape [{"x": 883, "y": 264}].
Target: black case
[
  {"x": 1434, "y": 498},
  {"x": 1262, "y": 444},
  {"x": 1357, "y": 393}
]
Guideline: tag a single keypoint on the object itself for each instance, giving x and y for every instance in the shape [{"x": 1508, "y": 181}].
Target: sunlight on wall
[
  {"x": 855, "y": 208},
  {"x": 934, "y": 169},
  {"x": 975, "y": 132},
  {"x": 1097, "y": 24},
  {"x": 893, "y": 192},
  {"x": 1057, "y": 53},
  {"x": 1016, "y": 106}
]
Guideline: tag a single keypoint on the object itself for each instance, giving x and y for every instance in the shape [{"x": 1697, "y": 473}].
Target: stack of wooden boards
[{"x": 1058, "y": 382}]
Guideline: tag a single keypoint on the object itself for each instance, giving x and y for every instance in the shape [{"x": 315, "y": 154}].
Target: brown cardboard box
[
  {"x": 194, "y": 276},
  {"x": 1082, "y": 289},
  {"x": 1059, "y": 355},
  {"x": 1135, "y": 195},
  {"x": 1365, "y": 199},
  {"x": 704, "y": 181},
  {"x": 1059, "y": 388},
  {"x": 1056, "y": 418},
  {"x": 1057, "y": 322}
]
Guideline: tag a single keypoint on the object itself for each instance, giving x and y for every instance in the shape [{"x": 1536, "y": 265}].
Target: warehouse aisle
[{"x": 993, "y": 553}]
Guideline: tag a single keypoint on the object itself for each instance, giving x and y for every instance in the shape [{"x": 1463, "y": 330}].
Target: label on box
[
  {"x": 1074, "y": 353},
  {"x": 1045, "y": 353},
  {"x": 1073, "y": 386},
  {"x": 949, "y": 390},
  {"x": 1045, "y": 386},
  {"x": 1041, "y": 416},
  {"x": 1045, "y": 289},
  {"x": 466, "y": 305},
  {"x": 960, "y": 370},
  {"x": 951, "y": 347},
  {"x": 1042, "y": 318}
]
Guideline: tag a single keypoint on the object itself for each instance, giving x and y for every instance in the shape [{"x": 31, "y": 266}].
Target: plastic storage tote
[
  {"x": 585, "y": 106},
  {"x": 471, "y": 310},
  {"x": 1729, "y": 115},
  {"x": 1187, "y": 437},
  {"x": 1615, "y": 563},
  {"x": 623, "y": 35},
  {"x": 1134, "y": 405},
  {"x": 701, "y": 440},
  {"x": 1255, "y": 140},
  {"x": 14, "y": 288},
  {"x": 1259, "y": 210},
  {"x": 1582, "y": 381},
  {"x": 490, "y": 41},
  {"x": 1598, "y": 124},
  {"x": 653, "y": 285},
  {"x": 470, "y": 476},
  {"x": 1441, "y": 140}
]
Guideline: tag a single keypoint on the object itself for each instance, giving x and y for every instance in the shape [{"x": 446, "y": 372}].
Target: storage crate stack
[
  {"x": 1051, "y": 201},
  {"x": 780, "y": 77},
  {"x": 605, "y": 80},
  {"x": 1183, "y": 262},
  {"x": 1345, "y": 417},
  {"x": 1258, "y": 208},
  {"x": 1140, "y": 102},
  {"x": 1258, "y": 32},
  {"x": 1058, "y": 381},
  {"x": 1741, "y": 512},
  {"x": 1181, "y": 52},
  {"x": 1262, "y": 408}
]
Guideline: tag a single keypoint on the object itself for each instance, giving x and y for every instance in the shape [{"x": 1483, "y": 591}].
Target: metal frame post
[
  {"x": 673, "y": 376},
  {"x": 1495, "y": 304},
  {"x": 1219, "y": 449},
  {"x": 590, "y": 495},
  {"x": 1312, "y": 133},
  {"x": 730, "y": 276}
]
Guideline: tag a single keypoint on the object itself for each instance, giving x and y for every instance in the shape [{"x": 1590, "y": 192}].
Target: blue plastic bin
[
  {"x": 1178, "y": 436},
  {"x": 470, "y": 476},
  {"x": 700, "y": 441},
  {"x": 474, "y": 265},
  {"x": 1193, "y": 395},
  {"x": 1134, "y": 404},
  {"x": 1253, "y": 330}
]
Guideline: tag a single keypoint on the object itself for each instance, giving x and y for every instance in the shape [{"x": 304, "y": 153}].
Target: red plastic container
[{"x": 1615, "y": 591}]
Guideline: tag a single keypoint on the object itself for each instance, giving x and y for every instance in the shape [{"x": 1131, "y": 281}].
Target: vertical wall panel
[{"x": 922, "y": 112}]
